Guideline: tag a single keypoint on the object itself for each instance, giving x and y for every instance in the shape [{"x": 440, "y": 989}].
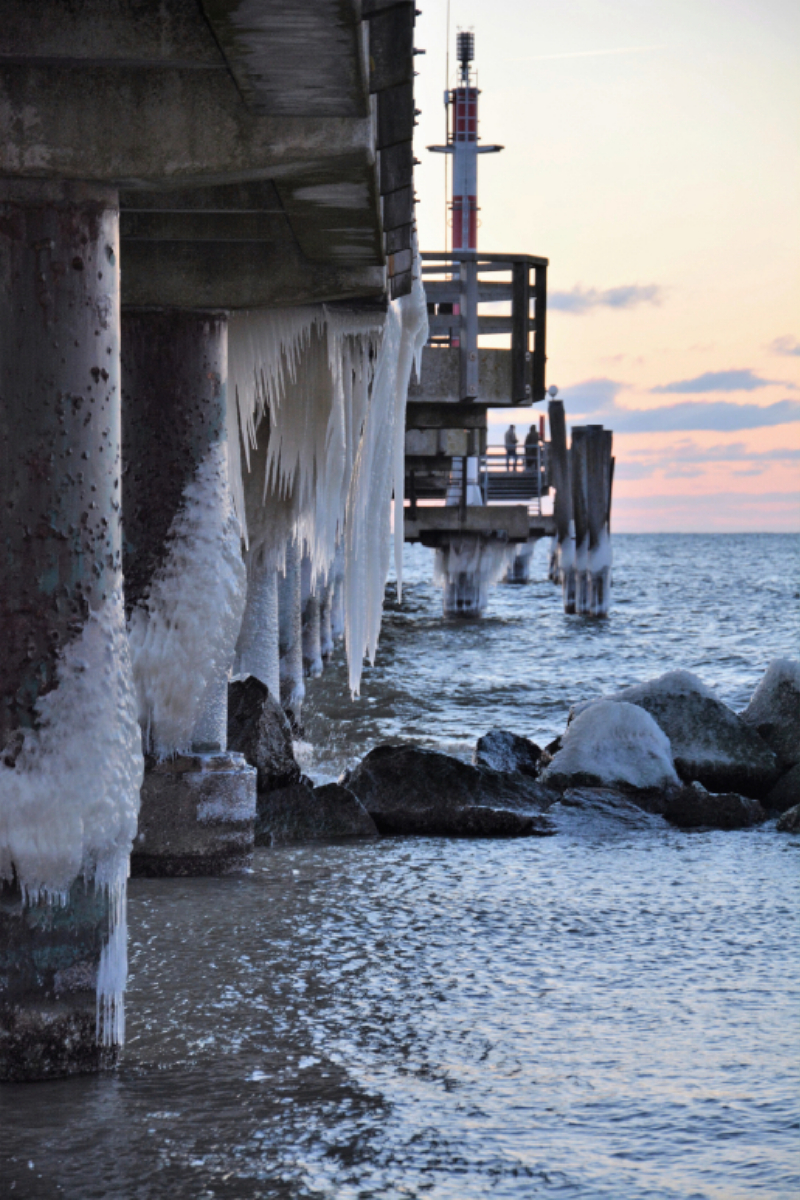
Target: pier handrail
[{"x": 455, "y": 285}]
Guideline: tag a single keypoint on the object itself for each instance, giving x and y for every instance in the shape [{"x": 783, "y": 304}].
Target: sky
[{"x": 652, "y": 154}]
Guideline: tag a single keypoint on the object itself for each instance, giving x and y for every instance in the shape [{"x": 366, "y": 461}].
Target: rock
[
  {"x": 300, "y": 813},
  {"x": 601, "y": 812},
  {"x": 786, "y": 793},
  {"x": 613, "y": 744},
  {"x": 501, "y": 750},
  {"x": 694, "y": 808},
  {"x": 774, "y": 710},
  {"x": 407, "y": 790},
  {"x": 258, "y": 729},
  {"x": 710, "y": 743},
  {"x": 790, "y": 821}
]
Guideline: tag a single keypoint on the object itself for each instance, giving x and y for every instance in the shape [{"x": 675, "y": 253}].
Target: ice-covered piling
[
  {"x": 71, "y": 761},
  {"x": 563, "y": 566},
  {"x": 185, "y": 591},
  {"x": 290, "y": 633},
  {"x": 309, "y": 601}
]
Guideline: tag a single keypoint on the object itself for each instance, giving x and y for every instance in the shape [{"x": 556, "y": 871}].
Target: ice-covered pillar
[
  {"x": 519, "y": 569},
  {"x": 598, "y": 447},
  {"x": 292, "y": 684},
  {"x": 563, "y": 569},
  {"x": 580, "y": 506},
  {"x": 257, "y": 649},
  {"x": 185, "y": 592},
  {"x": 309, "y": 602},
  {"x": 325, "y": 623},
  {"x": 71, "y": 761}
]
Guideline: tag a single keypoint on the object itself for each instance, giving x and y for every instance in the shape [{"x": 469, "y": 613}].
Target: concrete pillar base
[
  {"x": 464, "y": 596},
  {"x": 49, "y": 960},
  {"x": 197, "y": 816}
]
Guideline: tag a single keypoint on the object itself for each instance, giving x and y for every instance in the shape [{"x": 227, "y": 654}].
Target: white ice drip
[
  {"x": 69, "y": 805},
  {"x": 183, "y": 633}
]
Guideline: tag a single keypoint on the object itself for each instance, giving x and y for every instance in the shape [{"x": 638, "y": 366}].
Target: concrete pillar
[
  {"x": 292, "y": 685},
  {"x": 71, "y": 764},
  {"x": 309, "y": 600},
  {"x": 325, "y": 623},
  {"x": 519, "y": 570},
  {"x": 257, "y": 650},
  {"x": 185, "y": 592}
]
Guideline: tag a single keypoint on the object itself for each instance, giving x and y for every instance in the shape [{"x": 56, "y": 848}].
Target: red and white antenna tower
[{"x": 462, "y": 142}]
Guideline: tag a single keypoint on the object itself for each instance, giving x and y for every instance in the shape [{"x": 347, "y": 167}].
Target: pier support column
[
  {"x": 71, "y": 761},
  {"x": 580, "y": 506},
  {"x": 185, "y": 592},
  {"x": 290, "y": 632},
  {"x": 257, "y": 651},
  {"x": 312, "y": 645}
]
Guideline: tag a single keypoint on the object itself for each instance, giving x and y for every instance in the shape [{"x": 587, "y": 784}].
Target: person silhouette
[{"x": 511, "y": 441}]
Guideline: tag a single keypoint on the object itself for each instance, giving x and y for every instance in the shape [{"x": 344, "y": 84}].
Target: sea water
[{"x": 569, "y": 1017}]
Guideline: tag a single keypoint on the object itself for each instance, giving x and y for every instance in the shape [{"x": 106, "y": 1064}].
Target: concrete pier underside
[{"x": 253, "y": 154}]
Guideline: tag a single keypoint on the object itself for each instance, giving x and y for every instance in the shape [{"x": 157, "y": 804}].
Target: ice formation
[
  {"x": 69, "y": 805},
  {"x": 612, "y": 743},
  {"x": 599, "y": 572},
  {"x": 466, "y": 568},
  {"x": 183, "y": 632},
  {"x": 781, "y": 678},
  {"x": 321, "y": 392},
  {"x": 292, "y": 684},
  {"x": 379, "y": 468}
]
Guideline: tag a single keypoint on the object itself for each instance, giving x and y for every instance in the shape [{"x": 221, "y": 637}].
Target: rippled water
[{"x": 575, "y": 1017}]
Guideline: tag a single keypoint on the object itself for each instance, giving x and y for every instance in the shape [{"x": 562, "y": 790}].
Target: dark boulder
[
  {"x": 709, "y": 742},
  {"x": 602, "y": 812},
  {"x": 501, "y": 750},
  {"x": 694, "y": 808},
  {"x": 302, "y": 813},
  {"x": 258, "y": 729},
  {"x": 786, "y": 793},
  {"x": 408, "y": 790},
  {"x": 774, "y": 710},
  {"x": 790, "y": 821}
]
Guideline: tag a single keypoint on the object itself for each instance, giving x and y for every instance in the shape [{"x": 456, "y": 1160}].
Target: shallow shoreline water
[{"x": 575, "y": 1016}]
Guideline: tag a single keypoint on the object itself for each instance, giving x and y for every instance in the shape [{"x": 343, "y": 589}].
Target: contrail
[{"x": 587, "y": 53}]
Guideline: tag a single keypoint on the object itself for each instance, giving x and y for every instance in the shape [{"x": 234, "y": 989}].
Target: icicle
[
  {"x": 599, "y": 575},
  {"x": 183, "y": 633}
]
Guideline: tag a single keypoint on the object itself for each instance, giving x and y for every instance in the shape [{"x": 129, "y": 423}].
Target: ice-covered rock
[
  {"x": 259, "y": 729},
  {"x": 601, "y": 812},
  {"x": 790, "y": 821},
  {"x": 613, "y": 744},
  {"x": 774, "y": 710},
  {"x": 710, "y": 743},
  {"x": 501, "y": 750},
  {"x": 786, "y": 792},
  {"x": 694, "y": 808},
  {"x": 408, "y": 790},
  {"x": 302, "y": 813}
]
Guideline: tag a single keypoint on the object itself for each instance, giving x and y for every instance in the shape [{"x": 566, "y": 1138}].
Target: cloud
[
  {"x": 686, "y": 459},
  {"x": 786, "y": 345},
  {"x": 591, "y": 395},
  {"x": 582, "y": 300},
  {"x": 718, "y": 381},
  {"x": 587, "y": 53},
  {"x": 720, "y": 415}
]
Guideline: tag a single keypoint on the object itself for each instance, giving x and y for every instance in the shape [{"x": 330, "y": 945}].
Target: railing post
[
  {"x": 540, "y": 333},
  {"x": 520, "y": 320},
  {"x": 469, "y": 329}
]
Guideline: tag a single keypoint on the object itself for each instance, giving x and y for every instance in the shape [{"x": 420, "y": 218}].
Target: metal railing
[
  {"x": 456, "y": 283},
  {"x": 521, "y": 477}
]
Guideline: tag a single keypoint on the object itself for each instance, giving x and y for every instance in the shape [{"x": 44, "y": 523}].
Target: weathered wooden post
[
  {"x": 580, "y": 503},
  {"x": 563, "y": 505},
  {"x": 598, "y": 457}
]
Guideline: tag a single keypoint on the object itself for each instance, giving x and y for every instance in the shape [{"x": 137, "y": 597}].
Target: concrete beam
[
  {"x": 234, "y": 275},
  {"x": 306, "y": 59},
  {"x": 441, "y": 378},
  {"x": 509, "y": 523}
]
